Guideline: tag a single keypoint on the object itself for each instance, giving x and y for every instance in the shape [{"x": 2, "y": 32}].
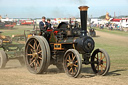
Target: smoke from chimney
[
  {"x": 58, "y": 12},
  {"x": 78, "y": 2}
]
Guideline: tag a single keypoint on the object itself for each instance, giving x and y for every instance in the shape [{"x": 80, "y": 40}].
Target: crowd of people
[{"x": 109, "y": 26}]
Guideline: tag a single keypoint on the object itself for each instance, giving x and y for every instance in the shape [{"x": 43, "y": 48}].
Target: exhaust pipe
[{"x": 83, "y": 17}]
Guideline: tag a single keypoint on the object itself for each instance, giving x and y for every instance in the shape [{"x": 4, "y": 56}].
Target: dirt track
[{"x": 14, "y": 74}]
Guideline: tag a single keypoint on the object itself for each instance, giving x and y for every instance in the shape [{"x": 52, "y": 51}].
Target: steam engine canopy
[{"x": 85, "y": 44}]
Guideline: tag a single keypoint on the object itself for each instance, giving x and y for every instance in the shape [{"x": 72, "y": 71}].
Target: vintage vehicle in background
[
  {"x": 13, "y": 47},
  {"x": 62, "y": 47},
  {"x": 92, "y": 32},
  {"x": 27, "y": 22},
  {"x": 7, "y": 24}
]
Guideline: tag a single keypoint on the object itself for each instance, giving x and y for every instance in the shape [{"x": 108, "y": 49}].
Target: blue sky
[{"x": 60, "y": 8}]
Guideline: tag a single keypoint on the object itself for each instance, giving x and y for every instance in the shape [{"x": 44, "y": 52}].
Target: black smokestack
[{"x": 83, "y": 16}]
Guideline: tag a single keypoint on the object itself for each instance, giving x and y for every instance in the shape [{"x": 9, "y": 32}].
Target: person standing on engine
[
  {"x": 49, "y": 24},
  {"x": 43, "y": 25}
]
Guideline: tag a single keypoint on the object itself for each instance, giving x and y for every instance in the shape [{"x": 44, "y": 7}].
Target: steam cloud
[
  {"x": 60, "y": 13},
  {"x": 78, "y": 2}
]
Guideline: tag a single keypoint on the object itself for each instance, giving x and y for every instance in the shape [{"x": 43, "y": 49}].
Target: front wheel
[
  {"x": 100, "y": 62},
  {"x": 72, "y": 63}
]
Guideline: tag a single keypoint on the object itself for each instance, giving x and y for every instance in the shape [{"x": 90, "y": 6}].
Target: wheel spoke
[
  {"x": 29, "y": 54},
  {"x": 101, "y": 56},
  {"x": 97, "y": 56},
  {"x": 40, "y": 52},
  {"x": 75, "y": 65},
  {"x": 34, "y": 46},
  {"x": 76, "y": 61},
  {"x": 70, "y": 69},
  {"x": 40, "y": 58},
  {"x": 31, "y": 46},
  {"x": 32, "y": 58},
  {"x": 75, "y": 69},
  {"x": 38, "y": 46},
  {"x": 104, "y": 61},
  {"x": 35, "y": 43},
  {"x": 32, "y": 62},
  {"x": 74, "y": 57},
  {"x": 31, "y": 50},
  {"x": 38, "y": 63},
  {"x": 98, "y": 67},
  {"x": 103, "y": 66},
  {"x": 68, "y": 60},
  {"x": 68, "y": 65}
]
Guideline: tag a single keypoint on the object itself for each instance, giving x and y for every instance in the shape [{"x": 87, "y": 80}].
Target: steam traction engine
[{"x": 62, "y": 47}]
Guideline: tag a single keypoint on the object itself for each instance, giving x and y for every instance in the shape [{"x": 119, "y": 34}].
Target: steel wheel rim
[
  {"x": 34, "y": 55},
  {"x": 71, "y": 64}
]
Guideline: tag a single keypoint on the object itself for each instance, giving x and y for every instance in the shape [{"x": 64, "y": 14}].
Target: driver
[
  {"x": 43, "y": 28},
  {"x": 43, "y": 24}
]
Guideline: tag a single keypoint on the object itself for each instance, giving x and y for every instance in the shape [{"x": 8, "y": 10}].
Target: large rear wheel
[
  {"x": 100, "y": 62},
  {"x": 72, "y": 63},
  {"x": 35, "y": 55}
]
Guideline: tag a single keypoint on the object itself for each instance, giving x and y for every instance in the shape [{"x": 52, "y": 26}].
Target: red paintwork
[
  {"x": 26, "y": 23},
  {"x": 55, "y": 32},
  {"x": 9, "y": 25},
  {"x": 116, "y": 20},
  {"x": 50, "y": 30}
]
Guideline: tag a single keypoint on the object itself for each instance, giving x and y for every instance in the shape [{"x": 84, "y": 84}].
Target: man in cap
[
  {"x": 43, "y": 28},
  {"x": 43, "y": 24}
]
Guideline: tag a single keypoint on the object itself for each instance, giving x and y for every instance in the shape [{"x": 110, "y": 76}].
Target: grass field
[
  {"x": 16, "y": 30},
  {"x": 114, "y": 42},
  {"x": 117, "y": 32}
]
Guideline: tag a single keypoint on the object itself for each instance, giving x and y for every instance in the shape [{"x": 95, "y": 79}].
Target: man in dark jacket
[
  {"x": 43, "y": 24},
  {"x": 49, "y": 24},
  {"x": 43, "y": 28}
]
